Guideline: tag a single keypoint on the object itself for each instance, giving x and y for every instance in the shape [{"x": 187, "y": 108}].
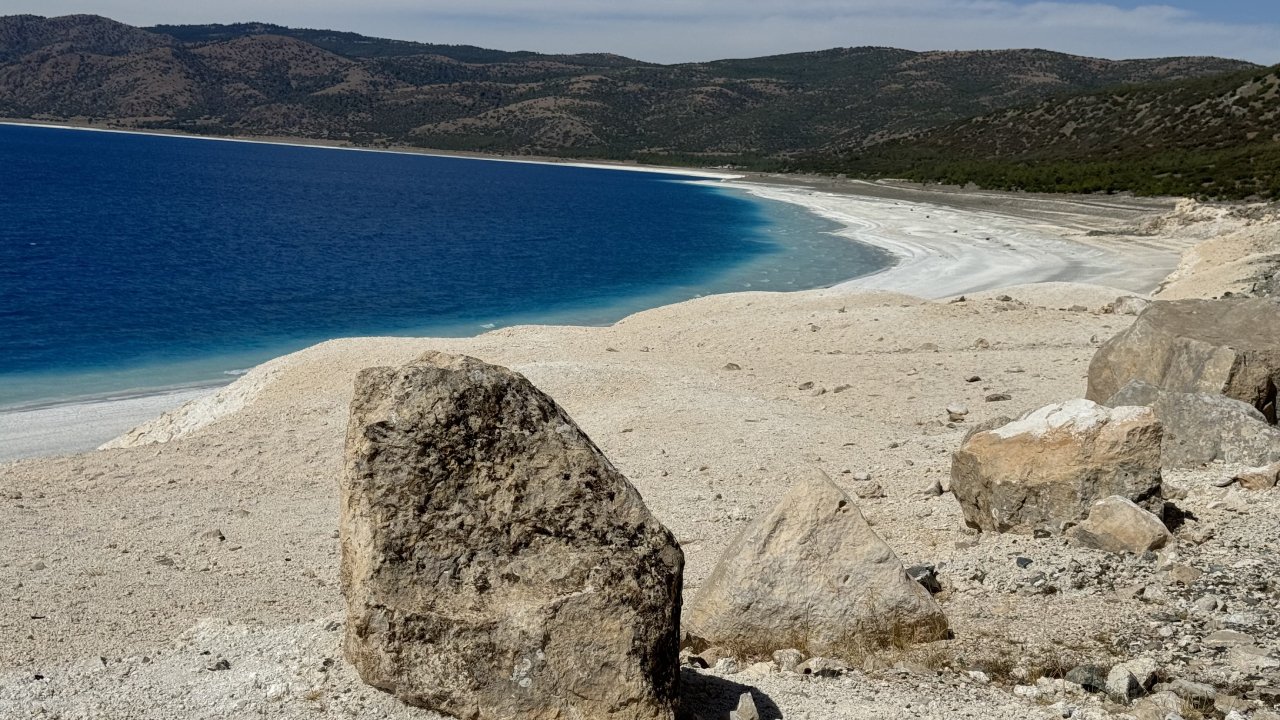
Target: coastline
[
  {"x": 396, "y": 150},
  {"x": 945, "y": 244}
]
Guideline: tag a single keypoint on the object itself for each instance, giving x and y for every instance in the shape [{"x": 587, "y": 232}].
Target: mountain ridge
[{"x": 801, "y": 111}]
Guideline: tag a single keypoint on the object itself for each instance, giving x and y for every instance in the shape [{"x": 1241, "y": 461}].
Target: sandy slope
[{"x": 113, "y": 558}]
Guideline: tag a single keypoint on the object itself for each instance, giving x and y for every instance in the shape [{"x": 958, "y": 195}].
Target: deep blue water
[{"x": 132, "y": 262}]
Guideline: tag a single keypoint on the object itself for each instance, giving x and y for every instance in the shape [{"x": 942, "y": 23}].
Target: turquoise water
[{"x": 133, "y": 263}]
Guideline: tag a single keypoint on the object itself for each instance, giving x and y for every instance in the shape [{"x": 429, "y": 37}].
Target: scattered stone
[
  {"x": 746, "y": 709},
  {"x": 1201, "y": 428},
  {"x": 1184, "y": 574},
  {"x": 1090, "y": 677},
  {"x": 869, "y": 491},
  {"x": 1260, "y": 478},
  {"x": 1129, "y": 305},
  {"x": 494, "y": 563},
  {"x": 1122, "y": 686},
  {"x": 1078, "y": 308},
  {"x": 982, "y": 344},
  {"x": 927, "y": 576},
  {"x": 1047, "y": 469},
  {"x": 811, "y": 573},
  {"x": 841, "y": 388},
  {"x": 1022, "y": 562},
  {"x": 218, "y": 666},
  {"x": 933, "y": 489},
  {"x": 1004, "y": 298},
  {"x": 999, "y": 397},
  {"x": 973, "y": 379},
  {"x": 862, "y": 476},
  {"x": 789, "y": 660},
  {"x": 1198, "y": 693},
  {"x": 956, "y": 413},
  {"x": 1160, "y": 706},
  {"x": 214, "y": 534},
  {"x": 1229, "y": 347},
  {"x": 732, "y": 366},
  {"x": 823, "y": 667},
  {"x": 1117, "y": 525},
  {"x": 1228, "y": 638},
  {"x": 805, "y": 386}
]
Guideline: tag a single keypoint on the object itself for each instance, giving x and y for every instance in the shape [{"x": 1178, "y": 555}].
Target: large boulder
[
  {"x": 1117, "y": 525},
  {"x": 1200, "y": 428},
  {"x": 1045, "y": 470},
  {"x": 811, "y": 574},
  {"x": 494, "y": 563},
  {"x": 1228, "y": 347}
]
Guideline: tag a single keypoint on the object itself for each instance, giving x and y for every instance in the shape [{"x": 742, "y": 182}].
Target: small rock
[
  {"x": 1090, "y": 677},
  {"x": 841, "y": 388},
  {"x": 1122, "y": 686},
  {"x": 1078, "y": 308},
  {"x": 805, "y": 386},
  {"x": 1004, "y": 298},
  {"x": 999, "y": 397},
  {"x": 869, "y": 491},
  {"x": 789, "y": 659},
  {"x": 1023, "y": 562},
  {"x": 956, "y": 413},
  {"x": 1196, "y": 692},
  {"x": 746, "y": 709},
  {"x": 862, "y": 476},
  {"x": 982, "y": 343},
  {"x": 1207, "y": 604},
  {"x": 732, "y": 366},
  {"x": 927, "y": 576},
  {"x": 1116, "y": 524},
  {"x": 1228, "y": 638},
  {"x": 823, "y": 667},
  {"x": 37, "y": 566},
  {"x": 1262, "y": 478},
  {"x": 973, "y": 379},
  {"x": 933, "y": 489},
  {"x": 1129, "y": 305},
  {"x": 1184, "y": 574},
  {"x": 219, "y": 666},
  {"x": 726, "y": 666},
  {"x": 214, "y": 534}
]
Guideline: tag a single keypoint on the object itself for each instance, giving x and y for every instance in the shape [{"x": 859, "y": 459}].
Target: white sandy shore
[
  {"x": 82, "y": 426},
  {"x": 944, "y": 251}
]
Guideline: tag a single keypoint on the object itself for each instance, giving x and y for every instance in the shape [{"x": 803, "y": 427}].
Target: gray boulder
[
  {"x": 1045, "y": 471},
  {"x": 494, "y": 563},
  {"x": 1228, "y": 347},
  {"x": 1200, "y": 428},
  {"x": 812, "y": 574}
]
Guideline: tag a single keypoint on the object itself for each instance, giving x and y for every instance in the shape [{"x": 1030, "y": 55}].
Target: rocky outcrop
[
  {"x": 1229, "y": 347},
  {"x": 494, "y": 563},
  {"x": 1200, "y": 428},
  {"x": 811, "y": 574},
  {"x": 1259, "y": 478},
  {"x": 1117, "y": 525},
  {"x": 1045, "y": 470}
]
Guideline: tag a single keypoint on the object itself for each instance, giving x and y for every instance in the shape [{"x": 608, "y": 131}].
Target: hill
[
  {"x": 256, "y": 79},
  {"x": 1216, "y": 137}
]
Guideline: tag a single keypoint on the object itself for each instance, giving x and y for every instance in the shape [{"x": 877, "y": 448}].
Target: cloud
[{"x": 684, "y": 30}]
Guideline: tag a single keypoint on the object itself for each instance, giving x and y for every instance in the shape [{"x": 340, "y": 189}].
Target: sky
[{"x": 670, "y": 31}]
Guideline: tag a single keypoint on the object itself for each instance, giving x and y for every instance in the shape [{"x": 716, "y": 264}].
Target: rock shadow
[{"x": 707, "y": 697}]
